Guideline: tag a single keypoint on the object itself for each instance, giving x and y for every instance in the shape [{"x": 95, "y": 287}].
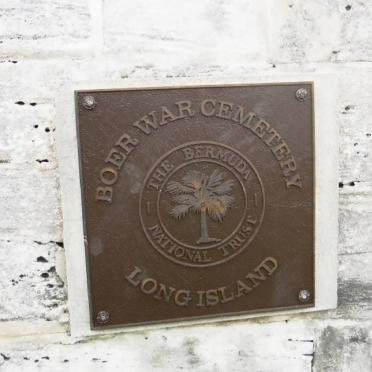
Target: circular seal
[{"x": 201, "y": 204}]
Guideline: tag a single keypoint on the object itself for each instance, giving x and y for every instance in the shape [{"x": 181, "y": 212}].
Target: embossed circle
[
  {"x": 206, "y": 245},
  {"x": 201, "y": 204}
]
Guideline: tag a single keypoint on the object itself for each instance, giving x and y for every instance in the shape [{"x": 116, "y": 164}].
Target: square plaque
[{"x": 197, "y": 201}]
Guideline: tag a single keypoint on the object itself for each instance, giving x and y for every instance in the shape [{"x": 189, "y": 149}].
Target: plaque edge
[{"x": 325, "y": 194}]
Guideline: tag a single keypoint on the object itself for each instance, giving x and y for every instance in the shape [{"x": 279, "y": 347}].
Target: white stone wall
[{"x": 45, "y": 43}]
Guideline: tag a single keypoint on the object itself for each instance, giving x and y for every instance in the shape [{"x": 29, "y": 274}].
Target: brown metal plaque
[{"x": 197, "y": 201}]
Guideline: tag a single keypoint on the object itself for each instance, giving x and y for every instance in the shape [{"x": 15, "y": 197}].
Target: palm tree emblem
[{"x": 200, "y": 193}]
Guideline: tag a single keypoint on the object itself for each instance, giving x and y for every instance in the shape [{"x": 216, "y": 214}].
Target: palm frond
[
  {"x": 223, "y": 188},
  {"x": 217, "y": 206},
  {"x": 175, "y": 187},
  {"x": 216, "y": 209},
  {"x": 187, "y": 199},
  {"x": 215, "y": 179},
  {"x": 179, "y": 211},
  {"x": 193, "y": 179},
  {"x": 227, "y": 200},
  {"x": 197, "y": 190},
  {"x": 197, "y": 206}
]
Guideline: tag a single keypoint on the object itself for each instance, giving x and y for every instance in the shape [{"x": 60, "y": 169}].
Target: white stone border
[{"x": 326, "y": 196}]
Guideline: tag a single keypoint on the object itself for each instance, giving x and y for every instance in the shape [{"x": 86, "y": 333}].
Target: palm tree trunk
[{"x": 204, "y": 237}]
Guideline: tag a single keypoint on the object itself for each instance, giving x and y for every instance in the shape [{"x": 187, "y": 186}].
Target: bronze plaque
[{"x": 197, "y": 201}]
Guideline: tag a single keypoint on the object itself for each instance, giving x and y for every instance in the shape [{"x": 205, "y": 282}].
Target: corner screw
[
  {"x": 103, "y": 317},
  {"x": 301, "y": 94},
  {"x": 304, "y": 295},
  {"x": 89, "y": 102}
]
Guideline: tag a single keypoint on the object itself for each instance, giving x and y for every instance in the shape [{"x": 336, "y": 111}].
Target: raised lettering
[
  {"x": 108, "y": 176},
  {"x": 241, "y": 288},
  {"x": 166, "y": 116},
  {"x": 184, "y": 108},
  {"x": 104, "y": 193},
  {"x": 134, "y": 277},
  {"x": 188, "y": 152},
  {"x": 255, "y": 278},
  {"x": 243, "y": 118},
  {"x": 270, "y": 264},
  {"x": 224, "y": 297},
  {"x": 224, "y": 110},
  {"x": 280, "y": 151},
  {"x": 210, "y": 110},
  {"x": 288, "y": 166},
  {"x": 164, "y": 293},
  {"x": 116, "y": 158},
  {"x": 260, "y": 128},
  {"x": 211, "y": 297},
  {"x": 147, "y": 124},
  {"x": 127, "y": 143},
  {"x": 182, "y": 297},
  {"x": 294, "y": 181},
  {"x": 150, "y": 289}
]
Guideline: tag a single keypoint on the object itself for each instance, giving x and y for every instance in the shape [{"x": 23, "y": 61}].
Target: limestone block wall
[{"x": 45, "y": 44}]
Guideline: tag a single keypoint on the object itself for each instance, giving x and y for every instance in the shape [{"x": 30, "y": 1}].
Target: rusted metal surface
[{"x": 197, "y": 201}]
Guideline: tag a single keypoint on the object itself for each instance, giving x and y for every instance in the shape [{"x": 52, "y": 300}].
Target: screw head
[
  {"x": 103, "y": 317},
  {"x": 304, "y": 295},
  {"x": 301, "y": 94},
  {"x": 89, "y": 102}
]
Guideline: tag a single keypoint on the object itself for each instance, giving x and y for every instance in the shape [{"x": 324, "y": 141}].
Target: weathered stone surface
[
  {"x": 46, "y": 44},
  {"x": 355, "y": 277},
  {"x": 30, "y": 285},
  {"x": 34, "y": 27},
  {"x": 28, "y": 136},
  {"x": 344, "y": 348},
  {"x": 185, "y": 33},
  {"x": 355, "y": 215},
  {"x": 355, "y": 114},
  {"x": 236, "y": 347},
  {"x": 29, "y": 205},
  {"x": 318, "y": 31}
]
